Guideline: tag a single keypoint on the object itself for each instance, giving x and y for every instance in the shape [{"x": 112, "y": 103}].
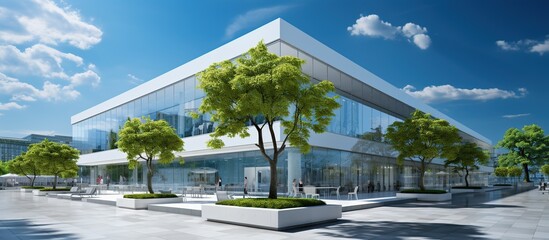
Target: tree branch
[{"x": 297, "y": 114}]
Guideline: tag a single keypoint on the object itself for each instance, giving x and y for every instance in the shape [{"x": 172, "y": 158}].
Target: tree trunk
[
  {"x": 149, "y": 175},
  {"x": 421, "y": 176},
  {"x": 526, "y": 174},
  {"x": 32, "y": 181},
  {"x": 274, "y": 179},
  {"x": 466, "y": 177},
  {"x": 55, "y": 181}
]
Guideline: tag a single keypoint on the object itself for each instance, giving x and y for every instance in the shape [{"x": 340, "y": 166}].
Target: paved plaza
[{"x": 492, "y": 215}]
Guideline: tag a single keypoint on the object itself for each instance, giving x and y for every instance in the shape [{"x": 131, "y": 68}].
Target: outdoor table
[{"x": 326, "y": 190}]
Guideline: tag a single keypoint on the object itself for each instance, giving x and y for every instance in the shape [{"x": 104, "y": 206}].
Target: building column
[{"x": 294, "y": 167}]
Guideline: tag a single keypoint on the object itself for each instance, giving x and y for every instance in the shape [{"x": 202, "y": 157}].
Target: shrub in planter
[
  {"x": 150, "y": 195},
  {"x": 279, "y": 203},
  {"x": 426, "y": 191},
  {"x": 31, "y": 187},
  {"x": 470, "y": 187}
]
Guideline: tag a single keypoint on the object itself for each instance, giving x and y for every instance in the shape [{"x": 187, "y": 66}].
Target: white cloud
[
  {"x": 526, "y": 45},
  {"x": 253, "y": 16},
  {"x": 30, "y": 32},
  {"x": 373, "y": 26},
  {"x": 48, "y": 23},
  {"x": 39, "y": 60},
  {"x": 541, "y": 48},
  {"x": 506, "y": 46},
  {"x": 450, "y": 93},
  {"x": 88, "y": 76},
  {"x": 21, "y": 91},
  {"x": 134, "y": 80},
  {"x": 10, "y": 105},
  {"x": 411, "y": 29},
  {"x": 516, "y": 115},
  {"x": 422, "y": 41}
]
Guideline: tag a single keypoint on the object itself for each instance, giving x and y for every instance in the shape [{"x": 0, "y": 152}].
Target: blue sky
[{"x": 483, "y": 63}]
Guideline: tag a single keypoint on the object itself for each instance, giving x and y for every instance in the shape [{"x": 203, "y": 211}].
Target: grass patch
[
  {"x": 502, "y": 185},
  {"x": 150, "y": 195},
  {"x": 55, "y": 190},
  {"x": 279, "y": 203},
  {"x": 29, "y": 187},
  {"x": 464, "y": 187},
  {"x": 426, "y": 191}
]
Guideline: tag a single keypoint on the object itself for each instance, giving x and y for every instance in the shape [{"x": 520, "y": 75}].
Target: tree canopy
[
  {"x": 4, "y": 169},
  {"x": 423, "y": 138},
  {"x": 260, "y": 89},
  {"x": 144, "y": 139},
  {"x": 527, "y": 147},
  {"x": 25, "y": 166},
  {"x": 514, "y": 171},
  {"x": 545, "y": 169},
  {"x": 501, "y": 172},
  {"x": 54, "y": 158},
  {"x": 468, "y": 157}
]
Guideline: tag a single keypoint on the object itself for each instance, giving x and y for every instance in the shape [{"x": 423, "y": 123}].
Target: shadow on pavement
[
  {"x": 469, "y": 200},
  {"x": 26, "y": 229},
  {"x": 394, "y": 230}
]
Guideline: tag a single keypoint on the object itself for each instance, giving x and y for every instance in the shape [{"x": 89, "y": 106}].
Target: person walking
[
  {"x": 219, "y": 184},
  {"x": 294, "y": 188},
  {"x": 245, "y": 186}
]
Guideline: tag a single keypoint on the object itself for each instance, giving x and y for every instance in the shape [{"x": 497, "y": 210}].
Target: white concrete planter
[
  {"x": 525, "y": 184},
  {"x": 466, "y": 190},
  {"x": 37, "y": 192},
  {"x": 426, "y": 196},
  {"x": 27, "y": 190},
  {"x": 275, "y": 219},
  {"x": 55, "y": 193},
  {"x": 144, "y": 203}
]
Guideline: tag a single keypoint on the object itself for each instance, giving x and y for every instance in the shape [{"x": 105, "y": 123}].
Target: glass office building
[
  {"x": 13, "y": 147},
  {"x": 351, "y": 153}
]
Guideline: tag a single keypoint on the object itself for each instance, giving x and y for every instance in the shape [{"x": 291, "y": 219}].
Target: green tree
[
  {"x": 4, "y": 168},
  {"x": 527, "y": 147},
  {"x": 54, "y": 158},
  {"x": 501, "y": 172},
  {"x": 423, "y": 138},
  {"x": 545, "y": 169},
  {"x": 468, "y": 157},
  {"x": 260, "y": 89},
  {"x": 22, "y": 165},
  {"x": 514, "y": 171},
  {"x": 144, "y": 139}
]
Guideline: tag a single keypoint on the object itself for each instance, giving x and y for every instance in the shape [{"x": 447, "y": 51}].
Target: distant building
[
  {"x": 13, "y": 147},
  {"x": 34, "y": 138}
]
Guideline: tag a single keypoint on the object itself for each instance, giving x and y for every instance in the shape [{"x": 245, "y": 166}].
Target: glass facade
[
  {"x": 11, "y": 148},
  {"x": 320, "y": 167},
  {"x": 176, "y": 102}
]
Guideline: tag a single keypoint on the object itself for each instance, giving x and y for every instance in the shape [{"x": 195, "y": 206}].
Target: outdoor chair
[
  {"x": 350, "y": 194},
  {"x": 89, "y": 192},
  {"x": 310, "y": 191},
  {"x": 74, "y": 190},
  {"x": 337, "y": 192},
  {"x": 223, "y": 195}
]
